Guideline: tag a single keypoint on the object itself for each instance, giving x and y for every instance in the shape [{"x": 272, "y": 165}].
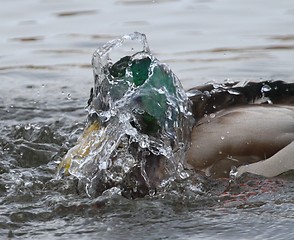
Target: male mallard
[{"x": 142, "y": 126}]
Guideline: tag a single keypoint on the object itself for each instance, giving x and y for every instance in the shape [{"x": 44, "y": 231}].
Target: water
[{"x": 46, "y": 76}]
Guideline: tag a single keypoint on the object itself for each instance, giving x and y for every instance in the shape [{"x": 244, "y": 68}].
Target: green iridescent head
[
  {"x": 139, "y": 84},
  {"x": 142, "y": 112}
]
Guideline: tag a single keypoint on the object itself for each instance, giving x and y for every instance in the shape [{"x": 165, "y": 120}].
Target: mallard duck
[{"x": 142, "y": 126}]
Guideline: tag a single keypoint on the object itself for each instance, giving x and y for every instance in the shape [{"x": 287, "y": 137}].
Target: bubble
[
  {"x": 266, "y": 88},
  {"x": 212, "y": 115}
]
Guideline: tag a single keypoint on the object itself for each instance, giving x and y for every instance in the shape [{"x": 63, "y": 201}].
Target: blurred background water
[{"x": 45, "y": 53}]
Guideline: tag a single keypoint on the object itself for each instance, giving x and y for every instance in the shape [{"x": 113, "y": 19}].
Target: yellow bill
[{"x": 86, "y": 142}]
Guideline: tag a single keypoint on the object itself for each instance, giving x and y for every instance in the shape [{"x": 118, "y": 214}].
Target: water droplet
[
  {"x": 269, "y": 101},
  {"x": 266, "y": 88},
  {"x": 131, "y": 131},
  {"x": 68, "y": 96},
  {"x": 144, "y": 144},
  {"x": 28, "y": 126},
  {"x": 152, "y": 192},
  {"x": 184, "y": 175},
  {"x": 216, "y": 85},
  {"x": 194, "y": 92},
  {"x": 222, "y": 137},
  {"x": 102, "y": 165},
  {"x": 169, "y": 114},
  {"x": 28, "y": 184},
  {"x": 220, "y": 152},
  {"x": 233, "y": 173},
  {"x": 234, "y": 92},
  {"x": 37, "y": 127},
  {"x": 207, "y": 93},
  {"x": 212, "y": 115},
  {"x": 229, "y": 81}
]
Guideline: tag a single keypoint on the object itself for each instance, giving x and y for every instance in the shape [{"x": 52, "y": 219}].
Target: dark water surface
[{"x": 45, "y": 53}]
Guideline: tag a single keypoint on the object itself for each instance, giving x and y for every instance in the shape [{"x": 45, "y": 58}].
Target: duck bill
[{"x": 85, "y": 144}]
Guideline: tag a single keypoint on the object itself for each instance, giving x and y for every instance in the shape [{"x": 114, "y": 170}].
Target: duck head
[{"x": 139, "y": 123}]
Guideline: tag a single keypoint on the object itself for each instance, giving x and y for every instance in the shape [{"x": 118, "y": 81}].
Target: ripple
[
  {"x": 76, "y": 13},
  {"x": 28, "y": 39}
]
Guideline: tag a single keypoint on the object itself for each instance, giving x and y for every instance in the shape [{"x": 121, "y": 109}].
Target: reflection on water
[{"x": 45, "y": 54}]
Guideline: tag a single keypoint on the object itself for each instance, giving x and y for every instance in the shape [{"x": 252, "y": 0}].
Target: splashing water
[{"x": 138, "y": 124}]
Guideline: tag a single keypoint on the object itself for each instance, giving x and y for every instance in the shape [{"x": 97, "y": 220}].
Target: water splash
[
  {"x": 141, "y": 117},
  {"x": 233, "y": 173}
]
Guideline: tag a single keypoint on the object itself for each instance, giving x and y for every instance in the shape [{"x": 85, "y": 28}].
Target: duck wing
[
  {"x": 242, "y": 125},
  {"x": 212, "y": 98}
]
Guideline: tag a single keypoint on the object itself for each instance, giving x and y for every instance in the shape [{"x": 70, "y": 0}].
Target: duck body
[
  {"x": 242, "y": 129},
  {"x": 240, "y": 136}
]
